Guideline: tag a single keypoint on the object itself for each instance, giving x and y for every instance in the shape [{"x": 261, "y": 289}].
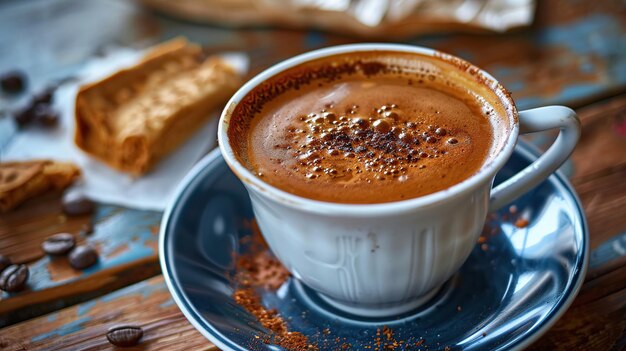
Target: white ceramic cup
[{"x": 383, "y": 259}]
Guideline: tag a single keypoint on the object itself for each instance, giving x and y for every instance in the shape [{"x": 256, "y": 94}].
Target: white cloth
[{"x": 151, "y": 191}]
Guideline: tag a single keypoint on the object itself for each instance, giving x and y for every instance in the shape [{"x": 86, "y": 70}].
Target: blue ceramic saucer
[{"x": 510, "y": 291}]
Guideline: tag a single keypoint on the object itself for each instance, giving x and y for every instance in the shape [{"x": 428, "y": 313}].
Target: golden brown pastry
[
  {"x": 133, "y": 118},
  {"x": 20, "y": 181}
]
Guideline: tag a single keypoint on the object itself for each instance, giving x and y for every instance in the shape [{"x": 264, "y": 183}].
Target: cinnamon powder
[{"x": 257, "y": 268}]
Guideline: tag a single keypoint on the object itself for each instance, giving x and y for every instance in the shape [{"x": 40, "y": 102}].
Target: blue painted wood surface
[
  {"x": 121, "y": 236},
  {"x": 126, "y": 241}
]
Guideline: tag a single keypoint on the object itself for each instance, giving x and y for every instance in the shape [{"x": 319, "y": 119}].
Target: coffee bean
[
  {"x": 40, "y": 113},
  {"x": 13, "y": 278},
  {"x": 76, "y": 204},
  {"x": 24, "y": 117},
  {"x": 38, "y": 110},
  {"x": 13, "y": 82},
  {"x": 4, "y": 262},
  {"x": 44, "y": 96},
  {"x": 125, "y": 335},
  {"x": 59, "y": 244},
  {"x": 83, "y": 256},
  {"x": 45, "y": 115}
]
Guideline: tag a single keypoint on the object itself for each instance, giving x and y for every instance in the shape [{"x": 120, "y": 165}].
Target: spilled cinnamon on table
[{"x": 258, "y": 268}]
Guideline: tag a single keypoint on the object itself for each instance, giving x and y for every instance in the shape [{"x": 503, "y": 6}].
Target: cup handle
[{"x": 536, "y": 120}]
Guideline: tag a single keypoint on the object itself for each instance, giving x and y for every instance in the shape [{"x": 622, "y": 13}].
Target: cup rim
[{"x": 485, "y": 174}]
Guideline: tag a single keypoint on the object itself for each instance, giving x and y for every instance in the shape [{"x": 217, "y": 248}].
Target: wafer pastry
[
  {"x": 20, "y": 181},
  {"x": 138, "y": 115}
]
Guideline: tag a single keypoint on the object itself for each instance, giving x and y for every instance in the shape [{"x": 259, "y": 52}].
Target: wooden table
[{"x": 575, "y": 54}]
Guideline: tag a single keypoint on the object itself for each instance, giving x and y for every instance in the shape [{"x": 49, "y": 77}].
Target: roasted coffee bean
[
  {"x": 24, "y": 117},
  {"x": 83, "y": 256},
  {"x": 45, "y": 115},
  {"x": 13, "y": 82},
  {"x": 59, "y": 244},
  {"x": 38, "y": 110},
  {"x": 44, "y": 96},
  {"x": 4, "y": 262},
  {"x": 13, "y": 278},
  {"x": 125, "y": 335},
  {"x": 76, "y": 204}
]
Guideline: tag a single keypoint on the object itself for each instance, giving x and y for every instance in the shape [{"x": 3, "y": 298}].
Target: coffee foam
[{"x": 414, "y": 153}]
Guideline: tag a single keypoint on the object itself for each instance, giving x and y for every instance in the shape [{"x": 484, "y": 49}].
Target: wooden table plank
[
  {"x": 84, "y": 326},
  {"x": 125, "y": 239},
  {"x": 597, "y": 319},
  {"x": 603, "y": 148},
  {"x": 600, "y": 168}
]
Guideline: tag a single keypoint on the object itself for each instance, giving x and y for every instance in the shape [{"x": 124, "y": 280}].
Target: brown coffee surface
[{"x": 367, "y": 138}]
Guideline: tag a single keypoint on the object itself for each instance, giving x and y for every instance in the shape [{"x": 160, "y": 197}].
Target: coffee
[{"x": 353, "y": 129}]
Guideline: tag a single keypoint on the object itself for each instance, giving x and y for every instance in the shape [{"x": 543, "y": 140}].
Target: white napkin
[{"x": 151, "y": 191}]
